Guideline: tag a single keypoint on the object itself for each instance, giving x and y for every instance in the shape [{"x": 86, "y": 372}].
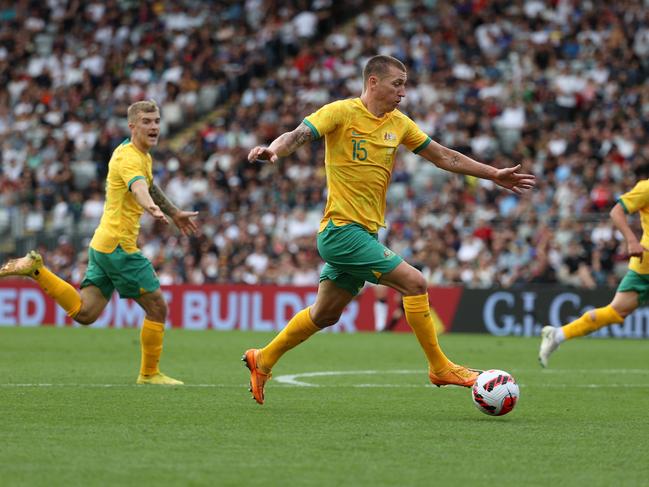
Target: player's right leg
[
  {"x": 329, "y": 305},
  {"x": 32, "y": 266},
  {"x": 151, "y": 340},
  {"x": 624, "y": 302}
]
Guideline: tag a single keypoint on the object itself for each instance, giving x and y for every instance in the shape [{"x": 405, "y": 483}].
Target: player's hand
[
  {"x": 513, "y": 180},
  {"x": 183, "y": 220},
  {"x": 261, "y": 153},
  {"x": 155, "y": 211}
]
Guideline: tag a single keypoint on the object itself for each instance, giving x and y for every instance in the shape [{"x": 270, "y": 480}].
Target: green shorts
[
  {"x": 639, "y": 283},
  {"x": 353, "y": 255},
  {"x": 131, "y": 274}
]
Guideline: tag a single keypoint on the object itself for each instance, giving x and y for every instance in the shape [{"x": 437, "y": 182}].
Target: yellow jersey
[
  {"x": 637, "y": 200},
  {"x": 359, "y": 157},
  {"x": 120, "y": 223}
]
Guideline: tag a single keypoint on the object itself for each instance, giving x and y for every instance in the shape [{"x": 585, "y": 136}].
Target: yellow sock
[
  {"x": 62, "y": 292},
  {"x": 298, "y": 329},
  {"x": 151, "y": 337},
  {"x": 591, "y": 321},
  {"x": 419, "y": 318}
]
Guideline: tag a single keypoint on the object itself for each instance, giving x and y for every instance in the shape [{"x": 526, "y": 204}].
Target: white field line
[
  {"x": 292, "y": 379},
  {"x": 297, "y": 380},
  {"x": 586, "y": 371}
]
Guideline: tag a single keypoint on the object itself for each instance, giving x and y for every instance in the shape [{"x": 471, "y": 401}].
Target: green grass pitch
[{"x": 70, "y": 413}]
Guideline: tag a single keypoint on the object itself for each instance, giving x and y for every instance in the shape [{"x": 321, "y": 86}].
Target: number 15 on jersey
[{"x": 359, "y": 153}]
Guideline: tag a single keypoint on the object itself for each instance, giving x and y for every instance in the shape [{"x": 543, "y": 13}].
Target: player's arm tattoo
[
  {"x": 160, "y": 199},
  {"x": 455, "y": 160},
  {"x": 302, "y": 134},
  {"x": 289, "y": 142}
]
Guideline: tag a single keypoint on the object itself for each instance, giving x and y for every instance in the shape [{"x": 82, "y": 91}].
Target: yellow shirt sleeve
[
  {"x": 414, "y": 138},
  {"x": 637, "y": 198},
  {"x": 130, "y": 170},
  {"x": 326, "y": 119}
]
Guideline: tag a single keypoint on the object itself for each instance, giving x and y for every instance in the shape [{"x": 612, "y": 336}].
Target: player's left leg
[
  {"x": 398, "y": 313},
  {"x": 134, "y": 277},
  {"x": 411, "y": 283},
  {"x": 22, "y": 266}
]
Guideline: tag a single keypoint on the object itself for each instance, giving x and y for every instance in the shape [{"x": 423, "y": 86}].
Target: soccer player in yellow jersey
[
  {"x": 361, "y": 140},
  {"x": 634, "y": 287},
  {"x": 115, "y": 261}
]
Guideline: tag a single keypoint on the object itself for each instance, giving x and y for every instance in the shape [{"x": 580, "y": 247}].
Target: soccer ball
[{"x": 495, "y": 392}]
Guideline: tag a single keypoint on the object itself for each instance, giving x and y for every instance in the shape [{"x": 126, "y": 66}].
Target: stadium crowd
[{"x": 558, "y": 86}]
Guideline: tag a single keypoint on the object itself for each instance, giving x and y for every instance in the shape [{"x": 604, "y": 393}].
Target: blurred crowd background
[{"x": 557, "y": 86}]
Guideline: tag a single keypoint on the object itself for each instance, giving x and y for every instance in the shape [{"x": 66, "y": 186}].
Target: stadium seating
[{"x": 559, "y": 87}]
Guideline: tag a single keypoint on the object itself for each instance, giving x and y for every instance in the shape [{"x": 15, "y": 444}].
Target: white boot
[{"x": 549, "y": 344}]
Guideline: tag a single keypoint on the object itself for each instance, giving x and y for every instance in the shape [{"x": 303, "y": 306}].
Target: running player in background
[
  {"x": 634, "y": 287},
  {"x": 381, "y": 307},
  {"x": 114, "y": 261},
  {"x": 361, "y": 139}
]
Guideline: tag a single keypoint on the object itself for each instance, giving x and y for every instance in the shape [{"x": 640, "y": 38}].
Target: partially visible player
[
  {"x": 632, "y": 291},
  {"x": 380, "y": 307},
  {"x": 115, "y": 261},
  {"x": 361, "y": 139}
]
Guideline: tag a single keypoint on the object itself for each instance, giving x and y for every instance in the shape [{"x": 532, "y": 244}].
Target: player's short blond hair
[
  {"x": 380, "y": 65},
  {"x": 144, "y": 106}
]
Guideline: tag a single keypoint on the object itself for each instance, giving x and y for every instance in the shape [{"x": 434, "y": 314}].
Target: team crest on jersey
[
  {"x": 387, "y": 253},
  {"x": 388, "y": 136}
]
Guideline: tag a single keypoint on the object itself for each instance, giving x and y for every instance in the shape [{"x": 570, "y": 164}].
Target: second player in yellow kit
[
  {"x": 114, "y": 261},
  {"x": 361, "y": 138},
  {"x": 632, "y": 291}
]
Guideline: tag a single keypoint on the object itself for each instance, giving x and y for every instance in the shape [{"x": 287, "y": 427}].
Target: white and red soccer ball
[{"x": 495, "y": 392}]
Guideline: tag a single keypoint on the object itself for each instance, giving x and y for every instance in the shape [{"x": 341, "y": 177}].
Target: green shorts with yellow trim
[
  {"x": 639, "y": 283},
  {"x": 131, "y": 274},
  {"x": 353, "y": 255}
]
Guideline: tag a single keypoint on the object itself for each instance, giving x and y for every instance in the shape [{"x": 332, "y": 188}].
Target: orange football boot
[
  {"x": 257, "y": 377},
  {"x": 454, "y": 375}
]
